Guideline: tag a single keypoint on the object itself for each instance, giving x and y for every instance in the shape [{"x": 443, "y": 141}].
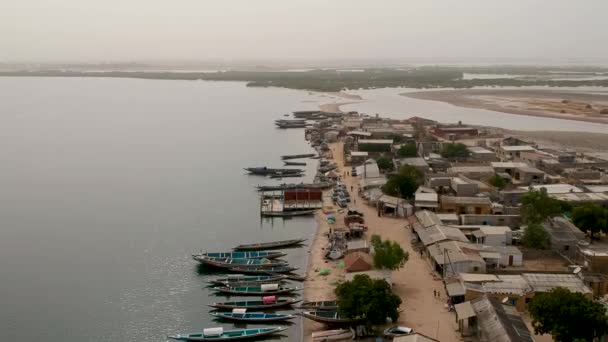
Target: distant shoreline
[{"x": 541, "y": 103}]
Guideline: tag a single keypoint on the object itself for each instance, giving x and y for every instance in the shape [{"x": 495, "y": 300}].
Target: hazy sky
[{"x": 466, "y": 30}]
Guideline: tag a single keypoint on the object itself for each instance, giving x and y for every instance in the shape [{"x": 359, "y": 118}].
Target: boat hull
[
  {"x": 229, "y": 291},
  {"x": 228, "y": 335},
  {"x": 251, "y": 318},
  {"x": 254, "y": 305},
  {"x": 268, "y": 245}
]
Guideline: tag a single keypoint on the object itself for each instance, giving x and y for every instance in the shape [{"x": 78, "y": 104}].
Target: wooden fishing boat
[
  {"x": 285, "y": 186},
  {"x": 240, "y": 315},
  {"x": 298, "y": 156},
  {"x": 288, "y": 213},
  {"x": 288, "y": 163},
  {"x": 244, "y": 255},
  {"x": 219, "y": 334},
  {"x": 333, "y": 335},
  {"x": 268, "y": 245},
  {"x": 264, "y": 171},
  {"x": 328, "y": 317},
  {"x": 262, "y": 270},
  {"x": 323, "y": 305},
  {"x": 270, "y": 302},
  {"x": 288, "y": 175},
  {"x": 240, "y": 278},
  {"x": 230, "y": 263},
  {"x": 259, "y": 290}
]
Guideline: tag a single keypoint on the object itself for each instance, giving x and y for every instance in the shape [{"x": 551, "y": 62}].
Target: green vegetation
[
  {"x": 334, "y": 80},
  {"x": 535, "y": 236},
  {"x": 591, "y": 218},
  {"x": 536, "y": 206},
  {"x": 370, "y": 300},
  {"x": 498, "y": 182},
  {"x": 407, "y": 151},
  {"x": 384, "y": 163},
  {"x": 454, "y": 151},
  {"x": 405, "y": 183},
  {"x": 388, "y": 254},
  {"x": 568, "y": 316}
]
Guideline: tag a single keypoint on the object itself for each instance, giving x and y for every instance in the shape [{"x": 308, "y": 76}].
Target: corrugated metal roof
[
  {"x": 455, "y": 289},
  {"x": 496, "y": 324},
  {"x": 541, "y": 282},
  {"x": 464, "y": 310}
]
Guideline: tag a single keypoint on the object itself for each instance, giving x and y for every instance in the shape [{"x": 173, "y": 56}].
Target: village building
[
  {"x": 473, "y": 172},
  {"x": 453, "y": 257},
  {"x": 463, "y": 187},
  {"x": 528, "y": 175},
  {"x": 394, "y": 206},
  {"x": 369, "y": 169},
  {"x": 489, "y": 320},
  {"x": 426, "y": 201},
  {"x": 466, "y": 205},
  {"x": 437, "y": 233},
  {"x": 449, "y": 218},
  {"x": 358, "y": 262},
  {"x": 481, "y": 154},
  {"x": 513, "y": 221},
  {"x": 357, "y": 157},
  {"x": 425, "y": 148},
  {"x": 493, "y": 235},
  {"x": 564, "y": 236},
  {"x": 507, "y": 153},
  {"x": 360, "y": 245},
  {"x": 375, "y": 146},
  {"x": 455, "y": 132},
  {"x": 419, "y": 163}
]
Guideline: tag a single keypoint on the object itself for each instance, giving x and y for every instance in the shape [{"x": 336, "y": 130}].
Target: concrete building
[
  {"x": 507, "y": 167},
  {"x": 513, "y": 221},
  {"x": 466, "y": 205},
  {"x": 528, "y": 175},
  {"x": 357, "y": 157},
  {"x": 510, "y": 256},
  {"x": 473, "y": 172},
  {"x": 493, "y": 235},
  {"x": 419, "y": 163},
  {"x": 452, "y": 257},
  {"x": 455, "y": 132},
  {"x": 464, "y": 188},
  {"x": 496, "y": 322},
  {"x": 375, "y": 145},
  {"x": 482, "y": 154},
  {"x": 426, "y": 201},
  {"x": 369, "y": 169},
  {"x": 438, "y": 233},
  {"x": 564, "y": 236},
  {"x": 394, "y": 206},
  {"x": 506, "y": 153}
]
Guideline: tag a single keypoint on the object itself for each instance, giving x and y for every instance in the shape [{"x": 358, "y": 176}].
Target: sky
[{"x": 201, "y": 30}]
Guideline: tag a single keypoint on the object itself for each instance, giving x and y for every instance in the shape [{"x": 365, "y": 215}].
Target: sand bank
[{"x": 561, "y": 104}]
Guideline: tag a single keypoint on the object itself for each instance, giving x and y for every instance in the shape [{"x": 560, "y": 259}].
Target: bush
[
  {"x": 388, "y": 254},
  {"x": 407, "y": 151},
  {"x": 371, "y": 300},
  {"x": 405, "y": 183},
  {"x": 535, "y": 236},
  {"x": 384, "y": 163},
  {"x": 454, "y": 151}
]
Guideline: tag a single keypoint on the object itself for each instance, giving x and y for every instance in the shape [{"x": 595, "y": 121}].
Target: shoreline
[{"x": 539, "y": 103}]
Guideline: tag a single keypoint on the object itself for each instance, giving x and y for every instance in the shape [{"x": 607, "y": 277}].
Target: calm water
[{"x": 108, "y": 185}]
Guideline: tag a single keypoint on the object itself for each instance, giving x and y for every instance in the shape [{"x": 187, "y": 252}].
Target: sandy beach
[
  {"x": 414, "y": 283},
  {"x": 561, "y": 104}
]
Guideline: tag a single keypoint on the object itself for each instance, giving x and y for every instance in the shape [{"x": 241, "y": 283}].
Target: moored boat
[
  {"x": 263, "y": 170},
  {"x": 230, "y": 263},
  {"x": 328, "y": 317},
  {"x": 287, "y": 213},
  {"x": 287, "y": 175},
  {"x": 262, "y": 270},
  {"x": 270, "y": 302},
  {"x": 268, "y": 245},
  {"x": 298, "y": 156},
  {"x": 240, "y": 278},
  {"x": 288, "y": 163},
  {"x": 240, "y": 315},
  {"x": 323, "y": 305},
  {"x": 244, "y": 255},
  {"x": 333, "y": 335},
  {"x": 320, "y": 185},
  {"x": 259, "y": 290},
  {"x": 219, "y": 334}
]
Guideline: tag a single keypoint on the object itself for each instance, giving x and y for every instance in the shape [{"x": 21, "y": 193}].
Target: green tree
[
  {"x": 498, "y": 182},
  {"x": 369, "y": 299},
  {"x": 454, "y": 151},
  {"x": 535, "y": 236},
  {"x": 536, "y": 206},
  {"x": 384, "y": 163},
  {"x": 568, "y": 316},
  {"x": 405, "y": 183},
  {"x": 590, "y": 218},
  {"x": 407, "y": 151},
  {"x": 388, "y": 254}
]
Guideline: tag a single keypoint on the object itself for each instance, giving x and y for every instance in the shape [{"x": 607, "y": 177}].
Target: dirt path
[{"x": 414, "y": 283}]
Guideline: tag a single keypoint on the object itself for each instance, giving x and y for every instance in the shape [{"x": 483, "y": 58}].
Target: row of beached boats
[{"x": 260, "y": 273}]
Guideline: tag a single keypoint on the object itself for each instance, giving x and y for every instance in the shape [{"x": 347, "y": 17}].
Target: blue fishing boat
[
  {"x": 239, "y": 315},
  {"x": 219, "y": 334},
  {"x": 230, "y": 263},
  {"x": 259, "y": 290},
  {"x": 235, "y": 279},
  {"x": 243, "y": 255}
]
